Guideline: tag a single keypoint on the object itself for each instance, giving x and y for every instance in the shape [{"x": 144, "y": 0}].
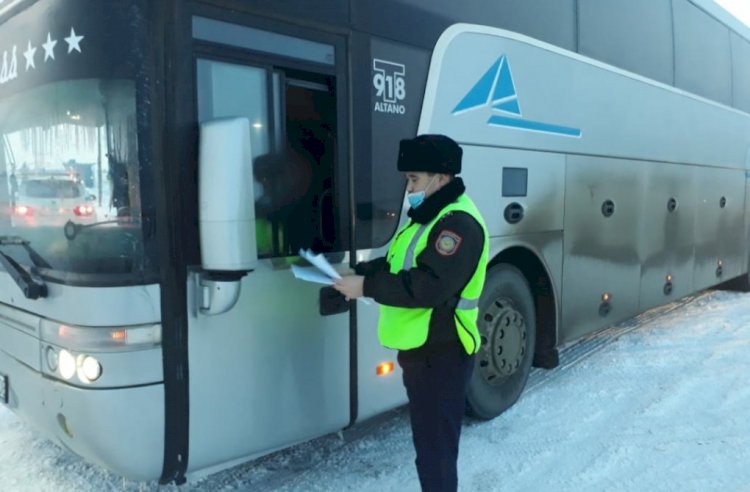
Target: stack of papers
[{"x": 321, "y": 272}]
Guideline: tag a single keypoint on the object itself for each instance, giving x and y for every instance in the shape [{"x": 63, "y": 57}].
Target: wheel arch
[{"x": 545, "y": 302}]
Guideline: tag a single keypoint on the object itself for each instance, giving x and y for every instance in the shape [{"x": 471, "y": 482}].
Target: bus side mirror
[{"x": 226, "y": 202}]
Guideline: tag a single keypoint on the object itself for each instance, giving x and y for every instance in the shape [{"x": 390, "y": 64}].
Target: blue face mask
[{"x": 416, "y": 198}]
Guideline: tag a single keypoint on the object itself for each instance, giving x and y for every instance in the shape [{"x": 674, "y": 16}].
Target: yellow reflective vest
[{"x": 407, "y": 328}]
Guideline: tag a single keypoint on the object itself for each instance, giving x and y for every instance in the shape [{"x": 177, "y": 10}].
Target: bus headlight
[
  {"x": 89, "y": 368},
  {"x": 51, "y": 359},
  {"x": 66, "y": 364}
]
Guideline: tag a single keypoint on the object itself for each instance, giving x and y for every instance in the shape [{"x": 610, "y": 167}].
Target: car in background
[{"x": 51, "y": 200}]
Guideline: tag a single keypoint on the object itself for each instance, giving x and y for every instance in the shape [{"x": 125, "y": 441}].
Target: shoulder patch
[{"x": 448, "y": 242}]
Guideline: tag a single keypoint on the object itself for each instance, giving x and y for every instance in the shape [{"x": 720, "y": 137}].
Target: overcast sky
[{"x": 738, "y": 8}]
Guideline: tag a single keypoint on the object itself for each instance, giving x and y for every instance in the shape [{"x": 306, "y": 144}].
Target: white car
[{"x": 52, "y": 200}]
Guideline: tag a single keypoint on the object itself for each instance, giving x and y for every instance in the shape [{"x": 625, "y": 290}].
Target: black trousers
[{"x": 435, "y": 383}]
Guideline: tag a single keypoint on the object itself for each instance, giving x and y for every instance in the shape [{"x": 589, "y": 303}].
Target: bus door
[{"x": 272, "y": 370}]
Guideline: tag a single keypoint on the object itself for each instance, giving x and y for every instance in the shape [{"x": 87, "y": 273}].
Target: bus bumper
[{"x": 121, "y": 429}]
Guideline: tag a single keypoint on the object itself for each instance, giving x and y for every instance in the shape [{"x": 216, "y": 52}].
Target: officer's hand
[
  {"x": 351, "y": 286},
  {"x": 344, "y": 271}
]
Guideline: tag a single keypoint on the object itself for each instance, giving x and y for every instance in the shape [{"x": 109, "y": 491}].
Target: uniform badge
[{"x": 447, "y": 243}]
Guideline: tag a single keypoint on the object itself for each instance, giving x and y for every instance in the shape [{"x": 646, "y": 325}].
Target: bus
[{"x": 161, "y": 332}]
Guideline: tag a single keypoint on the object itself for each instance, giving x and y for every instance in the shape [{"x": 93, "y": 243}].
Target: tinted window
[
  {"x": 702, "y": 54},
  {"x": 293, "y": 145},
  {"x": 606, "y": 33},
  {"x": 420, "y": 22},
  {"x": 741, "y": 72},
  {"x": 50, "y": 188},
  {"x": 393, "y": 77}
]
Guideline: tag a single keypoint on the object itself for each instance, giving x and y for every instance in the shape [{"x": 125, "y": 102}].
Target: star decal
[
  {"x": 73, "y": 41},
  {"x": 29, "y": 54},
  {"x": 49, "y": 48}
]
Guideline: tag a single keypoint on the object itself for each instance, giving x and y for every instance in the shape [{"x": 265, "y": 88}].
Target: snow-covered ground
[{"x": 658, "y": 403}]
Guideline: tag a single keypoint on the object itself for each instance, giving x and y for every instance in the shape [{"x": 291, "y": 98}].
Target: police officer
[{"x": 428, "y": 287}]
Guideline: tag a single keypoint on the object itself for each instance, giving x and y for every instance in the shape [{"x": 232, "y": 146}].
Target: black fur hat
[{"x": 430, "y": 153}]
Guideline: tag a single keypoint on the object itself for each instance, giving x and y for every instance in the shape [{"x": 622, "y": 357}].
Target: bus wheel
[{"x": 507, "y": 327}]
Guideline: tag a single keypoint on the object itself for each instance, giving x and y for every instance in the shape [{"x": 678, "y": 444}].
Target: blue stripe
[{"x": 533, "y": 125}]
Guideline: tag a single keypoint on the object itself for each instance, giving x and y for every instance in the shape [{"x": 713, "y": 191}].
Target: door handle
[{"x": 331, "y": 301}]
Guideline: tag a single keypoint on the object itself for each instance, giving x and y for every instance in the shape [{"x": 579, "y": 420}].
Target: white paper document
[
  {"x": 321, "y": 272},
  {"x": 311, "y": 274},
  {"x": 320, "y": 262}
]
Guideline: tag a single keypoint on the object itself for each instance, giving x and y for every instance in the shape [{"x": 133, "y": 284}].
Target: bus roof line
[{"x": 452, "y": 32}]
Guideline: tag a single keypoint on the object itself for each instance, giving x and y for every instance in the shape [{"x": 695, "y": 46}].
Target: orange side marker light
[{"x": 384, "y": 368}]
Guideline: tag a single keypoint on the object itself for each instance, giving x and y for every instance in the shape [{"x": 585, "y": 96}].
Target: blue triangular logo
[
  {"x": 496, "y": 89},
  {"x": 479, "y": 95}
]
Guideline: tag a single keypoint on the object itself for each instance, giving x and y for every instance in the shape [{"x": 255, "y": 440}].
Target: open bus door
[{"x": 271, "y": 370}]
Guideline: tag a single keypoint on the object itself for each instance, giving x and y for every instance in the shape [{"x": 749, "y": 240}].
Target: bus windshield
[{"x": 70, "y": 155}]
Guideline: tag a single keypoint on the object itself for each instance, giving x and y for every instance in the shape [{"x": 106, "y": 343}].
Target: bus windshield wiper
[
  {"x": 31, "y": 288},
  {"x": 35, "y": 257}
]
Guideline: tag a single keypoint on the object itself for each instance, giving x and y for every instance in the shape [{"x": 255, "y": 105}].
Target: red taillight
[
  {"x": 84, "y": 210},
  {"x": 23, "y": 210}
]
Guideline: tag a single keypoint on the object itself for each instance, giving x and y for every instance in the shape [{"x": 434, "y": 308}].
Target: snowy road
[{"x": 659, "y": 403}]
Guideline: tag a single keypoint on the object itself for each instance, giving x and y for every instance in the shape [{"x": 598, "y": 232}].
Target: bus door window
[
  {"x": 294, "y": 205},
  {"x": 229, "y": 90},
  {"x": 310, "y": 129},
  {"x": 298, "y": 196},
  {"x": 293, "y": 145},
  {"x": 296, "y": 179}
]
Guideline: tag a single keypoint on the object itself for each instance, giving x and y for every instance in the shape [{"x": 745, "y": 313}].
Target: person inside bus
[
  {"x": 284, "y": 178},
  {"x": 428, "y": 288},
  {"x": 118, "y": 177}
]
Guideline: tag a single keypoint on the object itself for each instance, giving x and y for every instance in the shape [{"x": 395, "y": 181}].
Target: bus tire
[{"x": 507, "y": 328}]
